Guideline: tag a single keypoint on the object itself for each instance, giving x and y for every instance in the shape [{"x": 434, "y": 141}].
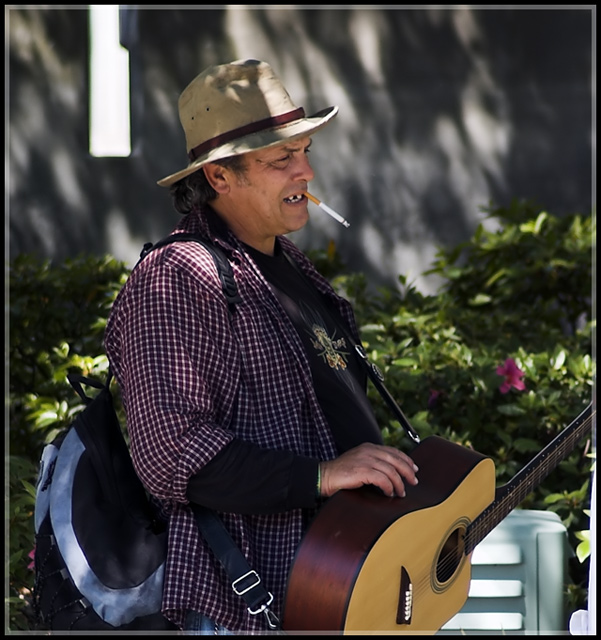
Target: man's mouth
[{"x": 299, "y": 197}]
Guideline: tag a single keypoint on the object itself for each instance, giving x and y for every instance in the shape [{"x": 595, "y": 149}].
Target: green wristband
[{"x": 318, "y": 489}]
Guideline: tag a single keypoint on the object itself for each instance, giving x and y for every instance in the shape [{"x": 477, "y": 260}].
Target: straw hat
[{"x": 238, "y": 107}]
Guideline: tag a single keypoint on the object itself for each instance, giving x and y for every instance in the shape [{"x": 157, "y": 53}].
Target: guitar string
[
  {"x": 531, "y": 481},
  {"x": 451, "y": 561},
  {"x": 503, "y": 506}
]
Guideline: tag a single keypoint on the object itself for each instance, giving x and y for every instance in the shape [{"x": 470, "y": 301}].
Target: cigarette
[{"x": 327, "y": 209}]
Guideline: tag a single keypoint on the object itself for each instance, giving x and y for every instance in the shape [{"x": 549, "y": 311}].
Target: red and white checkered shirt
[{"x": 192, "y": 378}]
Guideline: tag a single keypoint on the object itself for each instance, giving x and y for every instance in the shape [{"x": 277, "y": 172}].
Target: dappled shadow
[{"x": 441, "y": 111}]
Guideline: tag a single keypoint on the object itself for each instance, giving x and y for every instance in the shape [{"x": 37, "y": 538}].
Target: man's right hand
[{"x": 379, "y": 465}]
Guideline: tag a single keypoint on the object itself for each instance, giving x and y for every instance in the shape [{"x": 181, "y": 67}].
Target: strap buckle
[
  {"x": 244, "y": 590},
  {"x": 272, "y": 620},
  {"x": 263, "y": 607}
]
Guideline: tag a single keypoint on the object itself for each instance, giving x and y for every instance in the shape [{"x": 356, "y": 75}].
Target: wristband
[{"x": 318, "y": 489}]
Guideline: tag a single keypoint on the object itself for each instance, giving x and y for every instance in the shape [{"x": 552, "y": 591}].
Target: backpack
[{"x": 100, "y": 542}]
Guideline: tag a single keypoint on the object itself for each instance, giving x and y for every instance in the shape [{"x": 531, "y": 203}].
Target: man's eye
[{"x": 281, "y": 162}]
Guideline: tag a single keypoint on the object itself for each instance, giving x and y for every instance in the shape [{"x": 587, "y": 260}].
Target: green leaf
[
  {"x": 479, "y": 300},
  {"x": 583, "y": 550},
  {"x": 511, "y": 410},
  {"x": 405, "y": 362},
  {"x": 46, "y": 418},
  {"x": 496, "y": 276},
  {"x": 29, "y": 488},
  {"x": 558, "y": 359}
]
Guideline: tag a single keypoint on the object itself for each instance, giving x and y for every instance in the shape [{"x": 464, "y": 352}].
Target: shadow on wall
[{"x": 441, "y": 111}]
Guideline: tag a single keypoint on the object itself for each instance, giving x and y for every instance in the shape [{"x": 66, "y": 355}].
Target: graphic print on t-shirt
[{"x": 329, "y": 349}]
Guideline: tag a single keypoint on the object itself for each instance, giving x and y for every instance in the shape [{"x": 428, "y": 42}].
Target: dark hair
[{"x": 195, "y": 191}]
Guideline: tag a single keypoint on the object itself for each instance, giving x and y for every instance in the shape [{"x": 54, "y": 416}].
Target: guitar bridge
[{"x": 405, "y": 608}]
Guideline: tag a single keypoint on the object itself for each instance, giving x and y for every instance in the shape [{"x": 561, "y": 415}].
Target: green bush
[
  {"x": 521, "y": 292},
  {"x": 57, "y": 315}
]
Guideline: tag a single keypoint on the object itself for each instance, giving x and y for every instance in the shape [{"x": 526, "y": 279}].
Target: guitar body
[{"x": 370, "y": 563}]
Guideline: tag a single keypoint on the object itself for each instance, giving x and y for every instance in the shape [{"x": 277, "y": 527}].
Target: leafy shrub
[{"x": 521, "y": 292}]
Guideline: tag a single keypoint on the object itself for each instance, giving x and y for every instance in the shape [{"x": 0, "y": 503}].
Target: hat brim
[{"x": 255, "y": 142}]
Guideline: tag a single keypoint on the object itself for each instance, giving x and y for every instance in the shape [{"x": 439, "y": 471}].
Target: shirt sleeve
[
  {"x": 245, "y": 478},
  {"x": 173, "y": 364},
  {"x": 176, "y": 362}
]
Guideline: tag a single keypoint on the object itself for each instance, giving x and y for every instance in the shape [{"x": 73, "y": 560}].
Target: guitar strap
[
  {"x": 377, "y": 378},
  {"x": 246, "y": 582}
]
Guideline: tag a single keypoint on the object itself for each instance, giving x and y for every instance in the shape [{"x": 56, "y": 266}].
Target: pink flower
[
  {"x": 31, "y": 554},
  {"x": 513, "y": 376}
]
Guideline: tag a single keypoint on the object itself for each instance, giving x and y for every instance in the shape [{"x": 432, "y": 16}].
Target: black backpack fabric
[{"x": 101, "y": 544}]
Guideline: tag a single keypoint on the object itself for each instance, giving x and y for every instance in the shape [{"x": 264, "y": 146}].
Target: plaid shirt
[{"x": 193, "y": 378}]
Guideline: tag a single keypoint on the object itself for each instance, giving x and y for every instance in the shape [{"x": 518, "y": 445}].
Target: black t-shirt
[
  {"x": 339, "y": 377},
  {"x": 244, "y": 478}
]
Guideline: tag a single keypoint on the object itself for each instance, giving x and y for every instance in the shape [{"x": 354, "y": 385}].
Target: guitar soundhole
[{"x": 450, "y": 556}]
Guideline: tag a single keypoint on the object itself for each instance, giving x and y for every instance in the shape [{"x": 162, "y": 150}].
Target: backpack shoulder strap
[
  {"x": 77, "y": 381},
  {"x": 224, "y": 268}
]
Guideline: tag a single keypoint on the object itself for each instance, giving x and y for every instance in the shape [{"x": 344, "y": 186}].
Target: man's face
[{"x": 268, "y": 199}]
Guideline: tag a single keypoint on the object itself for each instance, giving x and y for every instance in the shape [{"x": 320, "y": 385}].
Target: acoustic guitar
[{"x": 369, "y": 563}]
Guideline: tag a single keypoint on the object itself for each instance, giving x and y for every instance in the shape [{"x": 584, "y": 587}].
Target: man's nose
[{"x": 303, "y": 168}]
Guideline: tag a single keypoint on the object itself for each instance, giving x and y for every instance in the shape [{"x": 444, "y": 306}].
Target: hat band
[{"x": 253, "y": 127}]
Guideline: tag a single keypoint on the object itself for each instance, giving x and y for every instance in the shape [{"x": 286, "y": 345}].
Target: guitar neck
[{"x": 527, "y": 479}]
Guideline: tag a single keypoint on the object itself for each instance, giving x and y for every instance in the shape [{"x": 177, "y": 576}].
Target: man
[{"x": 262, "y": 413}]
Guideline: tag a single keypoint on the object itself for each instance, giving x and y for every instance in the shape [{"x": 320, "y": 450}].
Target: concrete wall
[{"x": 442, "y": 110}]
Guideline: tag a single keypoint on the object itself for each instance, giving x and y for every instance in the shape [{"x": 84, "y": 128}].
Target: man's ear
[{"x": 217, "y": 176}]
